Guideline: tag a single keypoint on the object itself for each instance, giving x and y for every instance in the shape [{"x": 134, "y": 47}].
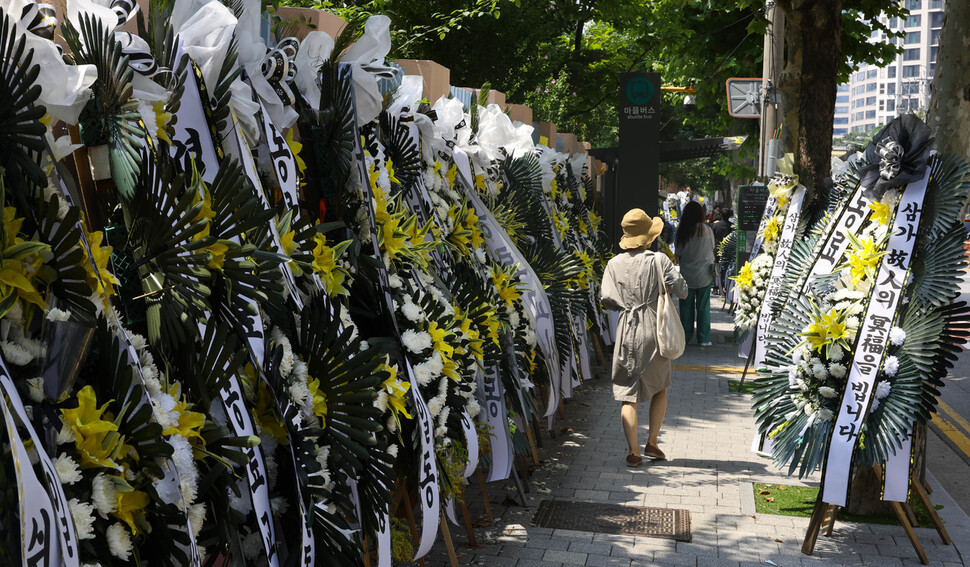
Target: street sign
[
  {"x": 752, "y": 200},
  {"x": 744, "y": 97}
]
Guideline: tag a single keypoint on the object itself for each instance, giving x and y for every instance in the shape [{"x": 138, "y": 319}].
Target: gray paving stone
[{"x": 565, "y": 557}]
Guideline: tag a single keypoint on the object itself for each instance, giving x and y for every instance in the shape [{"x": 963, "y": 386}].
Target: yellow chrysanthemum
[
  {"x": 745, "y": 276},
  {"x": 295, "y": 148},
  {"x": 451, "y": 174},
  {"x": 190, "y": 422},
  {"x": 480, "y": 182},
  {"x": 162, "y": 119},
  {"x": 327, "y": 266},
  {"x": 505, "y": 285},
  {"x": 864, "y": 259},
  {"x": 390, "y": 172},
  {"x": 826, "y": 329},
  {"x": 880, "y": 213},
  {"x": 771, "y": 230},
  {"x": 264, "y": 413},
  {"x": 98, "y": 276},
  {"x": 319, "y": 401},
  {"x": 131, "y": 510},
  {"x": 96, "y": 439},
  {"x": 396, "y": 390}
]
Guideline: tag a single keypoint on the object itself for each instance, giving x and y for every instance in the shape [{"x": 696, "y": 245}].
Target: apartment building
[{"x": 874, "y": 95}]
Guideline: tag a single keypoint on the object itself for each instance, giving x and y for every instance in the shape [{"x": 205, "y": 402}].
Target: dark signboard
[
  {"x": 638, "y": 168},
  {"x": 751, "y": 206}
]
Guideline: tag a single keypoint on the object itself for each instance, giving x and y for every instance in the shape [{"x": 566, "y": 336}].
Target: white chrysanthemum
[
  {"x": 300, "y": 372},
  {"x": 480, "y": 255},
  {"x": 252, "y": 546},
  {"x": 896, "y": 336},
  {"x": 801, "y": 384},
  {"x": 56, "y": 315},
  {"x": 185, "y": 464},
  {"x": 83, "y": 514},
  {"x": 422, "y": 373},
  {"x": 104, "y": 494},
  {"x": 825, "y": 414},
  {"x": 792, "y": 375},
  {"x": 819, "y": 371},
  {"x": 380, "y": 402},
  {"x": 852, "y": 323},
  {"x": 443, "y": 416},
  {"x": 395, "y": 281},
  {"x": 15, "y": 354},
  {"x": 514, "y": 318},
  {"x": 883, "y": 389},
  {"x": 68, "y": 471},
  {"x": 891, "y": 366},
  {"x": 473, "y": 408},
  {"x": 837, "y": 370},
  {"x": 35, "y": 389},
  {"x": 119, "y": 541},
  {"x": 416, "y": 341},
  {"x": 413, "y": 312},
  {"x": 530, "y": 337},
  {"x": 280, "y": 505},
  {"x": 392, "y": 450},
  {"x": 441, "y": 432},
  {"x": 809, "y": 409},
  {"x": 836, "y": 353},
  {"x": 391, "y": 424},
  {"x": 300, "y": 394},
  {"x": 348, "y": 322},
  {"x": 242, "y": 503},
  {"x": 827, "y": 392},
  {"x": 435, "y": 406},
  {"x": 165, "y": 412},
  {"x": 65, "y": 435},
  {"x": 196, "y": 518},
  {"x": 137, "y": 341},
  {"x": 436, "y": 364}
]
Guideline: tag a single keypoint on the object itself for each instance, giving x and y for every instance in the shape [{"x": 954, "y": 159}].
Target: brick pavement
[{"x": 707, "y": 437}]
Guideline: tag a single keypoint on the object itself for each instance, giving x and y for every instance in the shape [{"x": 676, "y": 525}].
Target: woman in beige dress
[{"x": 631, "y": 285}]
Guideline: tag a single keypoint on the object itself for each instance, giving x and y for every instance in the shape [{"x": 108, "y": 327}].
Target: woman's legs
[
  {"x": 703, "y": 298},
  {"x": 687, "y": 314},
  {"x": 628, "y": 415},
  {"x": 658, "y": 409}
]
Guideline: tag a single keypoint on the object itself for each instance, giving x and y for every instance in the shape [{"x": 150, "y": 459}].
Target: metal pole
[{"x": 774, "y": 56}]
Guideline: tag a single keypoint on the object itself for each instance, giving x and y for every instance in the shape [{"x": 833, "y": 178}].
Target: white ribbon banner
[
  {"x": 834, "y": 241},
  {"x": 42, "y": 504},
  {"x": 497, "y": 419},
  {"x": 534, "y": 298},
  {"x": 774, "y": 289},
  {"x": 427, "y": 467},
  {"x": 871, "y": 344}
]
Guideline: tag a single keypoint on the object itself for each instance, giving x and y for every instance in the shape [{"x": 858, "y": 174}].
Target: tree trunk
[
  {"x": 808, "y": 85},
  {"x": 949, "y": 113}
]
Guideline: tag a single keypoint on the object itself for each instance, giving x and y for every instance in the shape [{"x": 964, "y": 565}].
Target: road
[{"x": 948, "y": 444}]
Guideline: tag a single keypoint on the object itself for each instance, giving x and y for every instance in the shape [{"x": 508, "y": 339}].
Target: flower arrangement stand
[
  {"x": 446, "y": 535},
  {"x": 747, "y": 364},
  {"x": 823, "y": 517},
  {"x": 401, "y": 497},
  {"x": 469, "y": 529},
  {"x": 481, "y": 485}
]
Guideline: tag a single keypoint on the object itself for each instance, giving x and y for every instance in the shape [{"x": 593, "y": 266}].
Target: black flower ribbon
[
  {"x": 898, "y": 155},
  {"x": 40, "y": 19},
  {"x": 279, "y": 70}
]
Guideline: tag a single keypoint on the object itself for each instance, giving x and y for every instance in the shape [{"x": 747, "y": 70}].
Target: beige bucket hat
[{"x": 639, "y": 229}]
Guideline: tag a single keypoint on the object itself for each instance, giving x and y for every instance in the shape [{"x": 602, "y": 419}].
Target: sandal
[
  {"x": 633, "y": 460},
  {"x": 654, "y": 452}
]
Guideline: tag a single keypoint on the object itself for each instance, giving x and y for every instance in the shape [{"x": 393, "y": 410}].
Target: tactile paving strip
[{"x": 665, "y": 523}]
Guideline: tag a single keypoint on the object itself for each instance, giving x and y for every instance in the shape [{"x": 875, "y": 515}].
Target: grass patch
[
  {"x": 799, "y": 501},
  {"x": 746, "y": 388}
]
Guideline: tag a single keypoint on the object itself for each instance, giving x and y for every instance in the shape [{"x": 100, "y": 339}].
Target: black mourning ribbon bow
[{"x": 896, "y": 156}]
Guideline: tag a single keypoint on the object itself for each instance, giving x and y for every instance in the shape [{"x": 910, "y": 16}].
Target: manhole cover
[{"x": 663, "y": 523}]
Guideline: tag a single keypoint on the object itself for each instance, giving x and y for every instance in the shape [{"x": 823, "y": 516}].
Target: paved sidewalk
[{"x": 707, "y": 437}]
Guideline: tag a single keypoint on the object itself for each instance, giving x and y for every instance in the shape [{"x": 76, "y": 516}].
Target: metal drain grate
[{"x": 665, "y": 523}]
